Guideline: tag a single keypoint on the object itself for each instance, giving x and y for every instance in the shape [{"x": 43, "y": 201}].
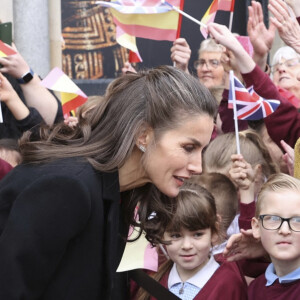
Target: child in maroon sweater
[
  {"x": 192, "y": 272},
  {"x": 277, "y": 224}
]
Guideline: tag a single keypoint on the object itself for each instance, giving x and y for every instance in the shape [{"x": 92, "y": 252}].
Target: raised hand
[
  {"x": 14, "y": 65},
  {"x": 260, "y": 37},
  {"x": 181, "y": 54},
  {"x": 288, "y": 28},
  {"x": 243, "y": 245}
]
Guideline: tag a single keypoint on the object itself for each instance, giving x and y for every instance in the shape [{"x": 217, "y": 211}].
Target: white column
[
  {"x": 55, "y": 33},
  {"x": 31, "y": 33},
  {"x": 6, "y": 11}
]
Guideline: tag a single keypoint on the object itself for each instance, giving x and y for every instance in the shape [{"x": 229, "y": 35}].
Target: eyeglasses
[
  {"x": 271, "y": 222},
  {"x": 288, "y": 63},
  {"x": 211, "y": 63}
]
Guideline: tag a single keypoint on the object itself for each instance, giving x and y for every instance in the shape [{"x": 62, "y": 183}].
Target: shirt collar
[
  {"x": 199, "y": 279},
  {"x": 271, "y": 276}
]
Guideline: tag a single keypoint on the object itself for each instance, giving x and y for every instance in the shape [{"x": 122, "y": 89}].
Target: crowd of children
[{"x": 252, "y": 193}]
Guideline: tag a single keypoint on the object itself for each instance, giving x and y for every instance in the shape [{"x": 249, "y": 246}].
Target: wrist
[
  {"x": 26, "y": 77},
  {"x": 245, "y": 62}
]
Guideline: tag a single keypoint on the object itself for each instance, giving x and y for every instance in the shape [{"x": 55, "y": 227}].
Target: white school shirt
[{"x": 189, "y": 289}]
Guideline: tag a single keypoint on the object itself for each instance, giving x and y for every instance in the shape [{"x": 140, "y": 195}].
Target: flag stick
[
  {"x": 230, "y": 21},
  {"x": 1, "y": 116},
  {"x": 179, "y": 20},
  {"x": 236, "y": 127},
  {"x": 164, "y": 251},
  {"x": 184, "y": 14}
]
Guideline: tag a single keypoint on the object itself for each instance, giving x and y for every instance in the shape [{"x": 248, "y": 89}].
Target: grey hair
[
  {"x": 209, "y": 45},
  {"x": 286, "y": 53}
]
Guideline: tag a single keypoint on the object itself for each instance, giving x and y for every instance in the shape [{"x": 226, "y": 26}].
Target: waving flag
[
  {"x": 150, "y": 19},
  {"x": 71, "y": 95},
  {"x": 249, "y": 105},
  {"x": 5, "y": 50},
  {"x": 136, "y": 6},
  {"x": 226, "y": 5},
  {"x": 138, "y": 254},
  {"x": 210, "y": 14}
]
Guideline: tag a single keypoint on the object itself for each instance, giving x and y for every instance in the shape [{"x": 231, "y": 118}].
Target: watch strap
[{"x": 26, "y": 77}]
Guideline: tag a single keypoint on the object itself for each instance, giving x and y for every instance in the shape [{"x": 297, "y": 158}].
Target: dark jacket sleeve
[
  {"x": 34, "y": 119},
  {"x": 42, "y": 221},
  {"x": 284, "y": 123}
]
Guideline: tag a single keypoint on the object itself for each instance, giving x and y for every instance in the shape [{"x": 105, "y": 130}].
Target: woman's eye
[{"x": 189, "y": 148}]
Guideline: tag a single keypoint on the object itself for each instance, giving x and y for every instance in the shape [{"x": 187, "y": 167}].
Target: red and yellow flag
[
  {"x": 71, "y": 95},
  {"x": 5, "y": 50},
  {"x": 209, "y": 16},
  {"x": 149, "y": 19}
]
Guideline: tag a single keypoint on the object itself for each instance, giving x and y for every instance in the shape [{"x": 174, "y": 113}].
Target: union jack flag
[
  {"x": 137, "y": 6},
  {"x": 249, "y": 105}
]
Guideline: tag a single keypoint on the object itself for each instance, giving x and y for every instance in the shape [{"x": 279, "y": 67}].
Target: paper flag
[
  {"x": 245, "y": 42},
  {"x": 5, "y": 50},
  {"x": 138, "y": 255},
  {"x": 71, "y": 95}
]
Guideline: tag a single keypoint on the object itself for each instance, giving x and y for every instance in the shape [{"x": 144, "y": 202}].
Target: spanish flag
[
  {"x": 149, "y": 19},
  {"x": 71, "y": 95}
]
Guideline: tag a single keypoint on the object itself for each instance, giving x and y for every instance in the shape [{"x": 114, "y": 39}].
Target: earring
[{"x": 142, "y": 148}]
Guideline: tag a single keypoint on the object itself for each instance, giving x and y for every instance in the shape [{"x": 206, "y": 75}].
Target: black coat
[{"x": 59, "y": 226}]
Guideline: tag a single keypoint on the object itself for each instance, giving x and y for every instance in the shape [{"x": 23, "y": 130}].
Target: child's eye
[
  {"x": 175, "y": 236},
  {"x": 198, "y": 234}
]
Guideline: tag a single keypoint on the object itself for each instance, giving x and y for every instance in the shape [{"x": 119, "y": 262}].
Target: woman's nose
[{"x": 195, "y": 165}]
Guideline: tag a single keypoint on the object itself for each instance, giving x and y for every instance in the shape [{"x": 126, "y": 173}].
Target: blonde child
[
  {"x": 248, "y": 171},
  {"x": 192, "y": 272},
  {"x": 277, "y": 225}
]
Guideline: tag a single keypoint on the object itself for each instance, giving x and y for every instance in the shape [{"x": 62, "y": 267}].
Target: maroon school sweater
[
  {"x": 5, "y": 167},
  {"x": 226, "y": 283},
  {"x": 259, "y": 291}
]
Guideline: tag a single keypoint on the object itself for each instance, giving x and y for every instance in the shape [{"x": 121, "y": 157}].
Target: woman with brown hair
[{"x": 60, "y": 217}]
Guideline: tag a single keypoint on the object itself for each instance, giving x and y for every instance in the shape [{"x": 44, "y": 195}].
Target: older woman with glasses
[
  {"x": 285, "y": 69},
  {"x": 209, "y": 67},
  {"x": 284, "y": 123}
]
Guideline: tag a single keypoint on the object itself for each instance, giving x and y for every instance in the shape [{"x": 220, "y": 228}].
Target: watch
[{"x": 26, "y": 77}]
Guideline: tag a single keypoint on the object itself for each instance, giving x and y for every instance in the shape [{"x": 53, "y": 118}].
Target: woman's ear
[
  {"x": 255, "y": 228},
  {"x": 144, "y": 138}
]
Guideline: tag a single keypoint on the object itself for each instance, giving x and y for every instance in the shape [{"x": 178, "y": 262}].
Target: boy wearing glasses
[{"x": 277, "y": 225}]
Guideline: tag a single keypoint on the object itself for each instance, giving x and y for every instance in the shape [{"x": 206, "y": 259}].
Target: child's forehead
[{"x": 281, "y": 201}]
